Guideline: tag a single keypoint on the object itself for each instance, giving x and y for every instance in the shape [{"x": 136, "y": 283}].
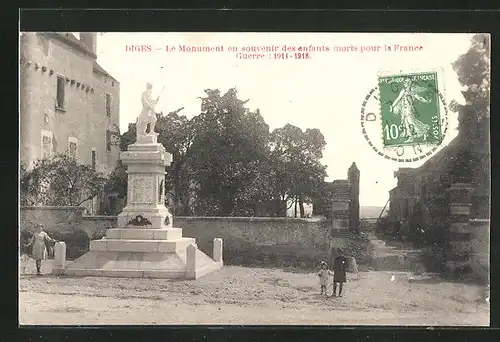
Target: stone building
[
  {"x": 423, "y": 188},
  {"x": 418, "y": 187},
  {"x": 447, "y": 198},
  {"x": 68, "y": 102}
]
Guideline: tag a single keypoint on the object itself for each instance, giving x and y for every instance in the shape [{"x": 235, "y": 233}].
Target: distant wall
[
  {"x": 54, "y": 219},
  {"x": 65, "y": 220},
  {"x": 262, "y": 240}
]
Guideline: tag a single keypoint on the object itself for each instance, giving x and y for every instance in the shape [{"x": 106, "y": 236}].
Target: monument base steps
[
  {"x": 141, "y": 253},
  {"x": 140, "y": 265}
]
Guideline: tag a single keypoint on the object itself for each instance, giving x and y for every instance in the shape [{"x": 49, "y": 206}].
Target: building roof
[
  {"x": 101, "y": 70},
  {"x": 442, "y": 157},
  {"x": 72, "y": 41}
]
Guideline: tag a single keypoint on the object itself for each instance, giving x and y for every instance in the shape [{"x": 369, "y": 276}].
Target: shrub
[
  {"x": 433, "y": 259},
  {"x": 25, "y": 237},
  {"x": 356, "y": 248},
  {"x": 77, "y": 243},
  {"x": 384, "y": 225},
  {"x": 42, "y": 185}
]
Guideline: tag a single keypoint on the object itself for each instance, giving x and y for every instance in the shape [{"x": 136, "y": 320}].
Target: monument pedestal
[{"x": 145, "y": 244}]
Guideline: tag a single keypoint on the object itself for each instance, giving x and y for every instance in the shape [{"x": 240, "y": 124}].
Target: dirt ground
[{"x": 239, "y": 295}]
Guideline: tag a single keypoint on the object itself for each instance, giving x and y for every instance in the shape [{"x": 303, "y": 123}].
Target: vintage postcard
[{"x": 254, "y": 178}]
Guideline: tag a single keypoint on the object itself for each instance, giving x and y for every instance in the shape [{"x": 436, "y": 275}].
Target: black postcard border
[{"x": 247, "y": 21}]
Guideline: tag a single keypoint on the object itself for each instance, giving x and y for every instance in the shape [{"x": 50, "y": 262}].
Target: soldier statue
[{"x": 147, "y": 119}]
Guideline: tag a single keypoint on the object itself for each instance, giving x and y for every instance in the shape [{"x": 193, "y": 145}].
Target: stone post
[
  {"x": 59, "y": 257},
  {"x": 217, "y": 255},
  {"x": 353, "y": 177},
  {"x": 460, "y": 199},
  {"x": 191, "y": 262},
  {"x": 352, "y": 266},
  {"x": 339, "y": 216}
]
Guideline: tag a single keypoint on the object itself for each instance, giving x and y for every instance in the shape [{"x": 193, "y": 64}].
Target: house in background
[
  {"x": 68, "y": 102},
  {"x": 424, "y": 188}
]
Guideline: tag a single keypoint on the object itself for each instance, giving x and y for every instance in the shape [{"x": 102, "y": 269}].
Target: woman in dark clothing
[{"x": 339, "y": 272}]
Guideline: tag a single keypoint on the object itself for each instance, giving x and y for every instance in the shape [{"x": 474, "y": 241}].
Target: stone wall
[
  {"x": 480, "y": 247},
  {"x": 54, "y": 219},
  {"x": 65, "y": 220},
  {"x": 469, "y": 238},
  {"x": 261, "y": 241}
]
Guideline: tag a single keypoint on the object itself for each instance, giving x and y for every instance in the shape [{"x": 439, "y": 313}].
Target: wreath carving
[{"x": 139, "y": 220}]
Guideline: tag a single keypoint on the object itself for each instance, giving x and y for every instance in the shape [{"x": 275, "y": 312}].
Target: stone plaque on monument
[{"x": 142, "y": 189}]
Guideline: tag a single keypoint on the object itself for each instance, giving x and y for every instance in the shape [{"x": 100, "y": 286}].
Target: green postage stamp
[{"x": 409, "y": 105}]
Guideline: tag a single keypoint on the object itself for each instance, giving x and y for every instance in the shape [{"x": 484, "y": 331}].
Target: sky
[{"x": 325, "y": 91}]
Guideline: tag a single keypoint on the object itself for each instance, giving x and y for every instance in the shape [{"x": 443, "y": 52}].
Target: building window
[
  {"x": 108, "y": 140},
  {"x": 108, "y": 105},
  {"x": 94, "y": 157},
  {"x": 47, "y": 146},
  {"x": 72, "y": 147},
  {"x": 61, "y": 83}
]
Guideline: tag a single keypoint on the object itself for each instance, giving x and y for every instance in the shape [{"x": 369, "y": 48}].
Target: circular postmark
[{"x": 405, "y": 117}]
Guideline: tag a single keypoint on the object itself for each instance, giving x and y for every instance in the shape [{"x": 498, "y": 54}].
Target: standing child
[
  {"x": 323, "y": 274},
  {"x": 339, "y": 269}
]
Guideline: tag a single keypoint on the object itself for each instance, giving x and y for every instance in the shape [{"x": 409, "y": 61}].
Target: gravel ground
[{"x": 239, "y": 295}]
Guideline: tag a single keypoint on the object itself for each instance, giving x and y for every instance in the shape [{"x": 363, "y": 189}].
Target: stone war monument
[{"x": 145, "y": 244}]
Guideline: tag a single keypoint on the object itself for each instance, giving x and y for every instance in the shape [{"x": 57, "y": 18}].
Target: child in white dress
[{"x": 323, "y": 274}]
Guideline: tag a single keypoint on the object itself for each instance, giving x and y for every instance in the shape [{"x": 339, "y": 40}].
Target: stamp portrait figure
[{"x": 404, "y": 106}]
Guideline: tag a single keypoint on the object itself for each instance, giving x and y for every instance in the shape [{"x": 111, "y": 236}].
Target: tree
[
  {"x": 117, "y": 180},
  {"x": 473, "y": 70},
  {"x": 227, "y": 154},
  {"x": 28, "y": 193},
  {"x": 128, "y": 137},
  {"x": 177, "y": 133},
  {"x": 226, "y": 163},
  {"x": 298, "y": 174},
  {"x": 60, "y": 181}
]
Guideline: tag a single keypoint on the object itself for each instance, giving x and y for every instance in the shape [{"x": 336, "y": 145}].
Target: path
[
  {"x": 241, "y": 295},
  {"x": 396, "y": 256}
]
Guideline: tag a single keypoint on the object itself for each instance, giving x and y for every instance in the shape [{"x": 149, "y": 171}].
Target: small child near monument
[{"x": 323, "y": 274}]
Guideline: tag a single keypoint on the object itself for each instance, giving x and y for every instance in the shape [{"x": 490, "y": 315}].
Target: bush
[
  {"x": 433, "y": 259},
  {"x": 77, "y": 243},
  {"x": 25, "y": 237},
  {"x": 356, "y": 248}
]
